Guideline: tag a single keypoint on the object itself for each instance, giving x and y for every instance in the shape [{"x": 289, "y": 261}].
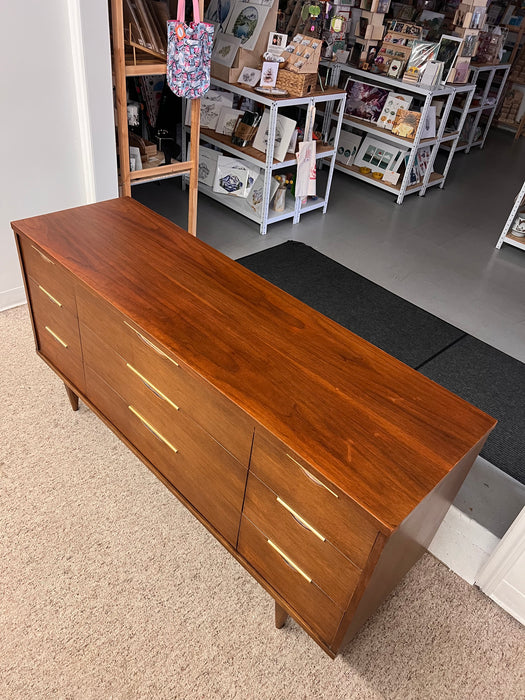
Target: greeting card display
[
  {"x": 390, "y": 52},
  {"x": 303, "y": 54}
]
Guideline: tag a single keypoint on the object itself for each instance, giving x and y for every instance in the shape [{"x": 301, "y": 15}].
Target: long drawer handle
[
  {"x": 55, "y": 336},
  {"x": 311, "y": 476},
  {"x": 300, "y": 520},
  {"x": 50, "y": 296},
  {"x": 42, "y": 255},
  {"x": 152, "y": 387},
  {"x": 151, "y": 345},
  {"x": 289, "y": 561},
  {"x": 152, "y": 429}
]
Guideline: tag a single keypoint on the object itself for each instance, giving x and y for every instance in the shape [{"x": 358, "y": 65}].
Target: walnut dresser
[{"x": 322, "y": 464}]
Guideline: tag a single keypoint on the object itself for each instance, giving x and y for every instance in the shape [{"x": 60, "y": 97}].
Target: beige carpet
[{"x": 110, "y": 589}]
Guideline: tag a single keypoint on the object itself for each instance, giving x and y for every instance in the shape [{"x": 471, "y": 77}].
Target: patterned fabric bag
[{"x": 189, "y": 54}]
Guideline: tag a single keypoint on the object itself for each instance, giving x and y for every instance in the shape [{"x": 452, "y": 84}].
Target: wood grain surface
[{"x": 380, "y": 431}]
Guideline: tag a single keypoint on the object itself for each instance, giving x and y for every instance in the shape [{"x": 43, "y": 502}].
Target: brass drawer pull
[
  {"x": 311, "y": 476},
  {"x": 152, "y": 387},
  {"x": 300, "y": 520},
  {"x": 152, "y": 429},
  {"x": 50, "y": 296},
  {"x": 42, "y": 255},
  {"x": 55, "y": 336},
  {"x": 289, "y": 561},
  {"x": 151, "y": 345}
]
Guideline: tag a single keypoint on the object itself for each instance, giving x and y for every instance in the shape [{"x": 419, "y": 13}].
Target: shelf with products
[
  {"x": 510, "y": 233},
  {"x": 131, "y": 60},
  {"x": 490, "y": 80},
  {"x": 421, "y": 152},
  {"x": 258, "y": 207}
]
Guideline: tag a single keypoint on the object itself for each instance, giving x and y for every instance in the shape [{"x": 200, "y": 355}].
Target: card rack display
[
  {"x": 129, "y": 60},
  {"x": 507, "y": 235},
  {"x": 294, "y": 207},
  {"x": 489, "y": 81},
  {"x": 339, "y": 75}
]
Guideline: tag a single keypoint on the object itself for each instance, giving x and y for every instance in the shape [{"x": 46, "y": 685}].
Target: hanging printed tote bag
[{"x": 189, "y": 53}]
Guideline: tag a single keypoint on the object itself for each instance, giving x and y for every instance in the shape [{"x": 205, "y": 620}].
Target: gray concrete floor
[{"x": 437, "y": 251}]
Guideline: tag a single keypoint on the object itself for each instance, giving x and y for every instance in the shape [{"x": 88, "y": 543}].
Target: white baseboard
[
  {"x": 462, "y": 544},
  {"x": 484, "y": 509},
  {"x": 12, "y": 297}
]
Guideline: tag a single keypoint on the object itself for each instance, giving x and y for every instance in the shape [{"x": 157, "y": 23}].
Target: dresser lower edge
[{"x": 223, "y": 541}]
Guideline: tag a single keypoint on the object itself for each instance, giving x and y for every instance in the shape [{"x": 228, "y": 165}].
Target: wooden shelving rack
[{"x": 133, "y": 60}]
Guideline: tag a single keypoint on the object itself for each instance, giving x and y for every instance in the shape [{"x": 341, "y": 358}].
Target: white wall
[{"x": 56, "y": 116}]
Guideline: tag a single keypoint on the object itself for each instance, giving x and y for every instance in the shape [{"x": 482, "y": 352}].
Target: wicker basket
[{"x": 296, "y": 84}]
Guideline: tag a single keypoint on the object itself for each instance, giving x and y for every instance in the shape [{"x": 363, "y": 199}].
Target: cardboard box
[{"x": 252, "y": 59}]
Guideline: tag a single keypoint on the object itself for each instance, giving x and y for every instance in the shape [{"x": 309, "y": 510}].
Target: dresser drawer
[
  {"x": 209, "y": 477},
  {"x": 325, "y": 507},
  {"x": 57, "y": 335},
  {"x": 47, "y": 272},
  {"x": 280, "y": 570},
  {"x": 312, "y": 552},
  {"x": 227, "y": 423},
  {"x": 151, "y": 400}
]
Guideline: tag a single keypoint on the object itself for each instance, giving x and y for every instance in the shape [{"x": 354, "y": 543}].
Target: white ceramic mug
[{"x": 519, "y": 225}]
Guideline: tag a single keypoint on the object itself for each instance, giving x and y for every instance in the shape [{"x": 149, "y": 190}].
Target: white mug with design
[{"x": 518, "y": 226}]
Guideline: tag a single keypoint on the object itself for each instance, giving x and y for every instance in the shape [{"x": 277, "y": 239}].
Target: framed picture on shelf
[
  {"x": 347, "y": 147},
  {"x": 406, "y": 123},
  {"x": 395, "y": 69},
  {"x": 249, "y": 76},
  {"x": 269, "y": 74},
  {"x": 364, "y": 101},
  {"x": 448, "y": 50},
  {"x": 388, "y": 115},
  {"x": 284, "y": 129},
  {"x": 378, "y": 155},
  {"x": 225, "y": 49},
  {"x": 227, "y": 120},
  {"x": 246, "y": 22},
  {"x": 207, "y": 165}
]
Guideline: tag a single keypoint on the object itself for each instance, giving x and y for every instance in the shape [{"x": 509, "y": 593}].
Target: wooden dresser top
[{"x": 383, "y": 433}]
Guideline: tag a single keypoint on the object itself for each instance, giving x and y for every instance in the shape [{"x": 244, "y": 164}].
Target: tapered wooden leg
[
  {"x": 280, "y": 616},
  {"x": 73, "y": 398}
]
